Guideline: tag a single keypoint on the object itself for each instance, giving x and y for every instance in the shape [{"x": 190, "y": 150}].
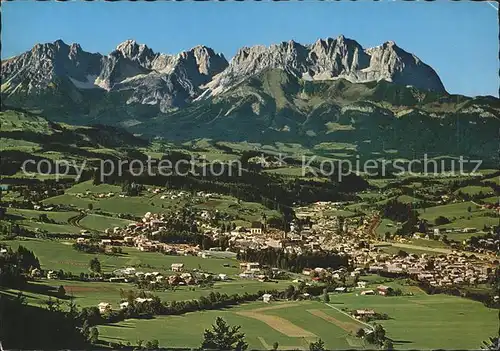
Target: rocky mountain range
[
  {"x": 333, "y": 90},
  {"x": 172, "y": 81},
  {"x": 151, "y": 78},
  {"x": 330, "y": 59}
]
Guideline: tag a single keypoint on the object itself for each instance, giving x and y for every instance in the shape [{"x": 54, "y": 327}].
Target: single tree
[
  {"x": 379, "y": 332},
  {"x": 388, "y": 345},
  {"x": 85, "y": 330},
  {"x": 61, "y": 292},
  {"x": 95, "y": 238},
  {"x": 492, "y": 344},
  {"x": 96, "y": 177},
  {"x": 95, "y": 265},
  {"x": 155, "y": 344},
  {"x": 360, "y": 333},
  {"x": 326, "y": 297},
  {"x": 440, "y": 220},
  {"x": 94, "y": 335},
  {"x": 224, "y": 337},
  {"x": 275, "y": 346},
  {"x": 317, "y": 346},
  {"x": 370, "y": 338}
]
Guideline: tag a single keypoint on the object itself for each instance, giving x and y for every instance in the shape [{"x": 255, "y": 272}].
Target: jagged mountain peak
[
  {"x": 129, "y": 48},
  {"x": 58, "y": 44},
  {"x": 127, "y": 43},
  {"x": 139, "y": 53},
  {"x": 328, "y": 59}
]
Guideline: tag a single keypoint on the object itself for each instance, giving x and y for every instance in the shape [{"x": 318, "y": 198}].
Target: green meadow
[
  {"x": 280, "y": 325},
  {"x": 59, "y": 254},
  {"x": 31, "y": 220},
  {"x": 101, "y": 223},
  {"x": 86, "y": 294},
  {"x": 429, "y": 321},
  {"x": 476, "y": 190},
  {"x": 416, "y": 322}
]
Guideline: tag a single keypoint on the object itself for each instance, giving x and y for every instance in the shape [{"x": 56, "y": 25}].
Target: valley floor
[{"x": 416, "y": 322}]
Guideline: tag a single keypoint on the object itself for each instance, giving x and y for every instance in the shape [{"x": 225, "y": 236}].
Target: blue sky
[{"x": 458, "y": 39}]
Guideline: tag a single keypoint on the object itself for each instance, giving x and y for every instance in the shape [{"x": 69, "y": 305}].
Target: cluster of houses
[
  {"x": 43, "y": 208},
  {"x": 106, "y": 307},
  {"x": 320, "y": 209},
  {"x": 449, "y": 270},
  {"x": 253, "y": 270},
  {"x": 267, "y": 161},
  {"x": 444, "y": 270},
  {"x": 179, "y": 276},
  {"x": 495, "y": 207},
  {"x": 96, "y": 195},
  {"x": 175, "y": 194},
  {"x": 257, "y": 237},
  {"x": 352, "y": 237},
  {"x": 484, "y": 245},
  {"x": 362, "y": 313},
  {"x": 380, "y": 290}
]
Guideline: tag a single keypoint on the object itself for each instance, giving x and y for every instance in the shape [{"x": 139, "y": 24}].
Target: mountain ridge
[
  {"x": 172, "y": 81},
  {"x": 329, "y": 59},
  {"x": 284, "y": 93}
]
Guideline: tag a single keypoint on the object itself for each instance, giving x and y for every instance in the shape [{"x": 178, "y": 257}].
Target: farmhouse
[
  {"x": 250, "y": 266},
  {"x": 362, "y": 285},
  {"x": 256, "y": 228},
  {"x": 106, "y": 242},
  {"x": 364, "y": 312},
  {"x": 118, "y": 280},
  {"x": 142, "y": 300},
  {"x": 34, "y": 272},
  {"x": 129, "y": 270},
  {"x": 469, "y": 230},
  {"x": 177, "y": 267},
  {"x": 383, "y": 290},
  {"x": 52, "y": 275},
  {"x": 104, "y": 307},
  {"x": 128, "y": 239},
  {"x": 267, "y": 298},
  {"x": 247, "y": 275}
]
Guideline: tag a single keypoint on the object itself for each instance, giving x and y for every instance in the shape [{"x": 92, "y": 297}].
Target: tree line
[{"x": 292, "y": 261}]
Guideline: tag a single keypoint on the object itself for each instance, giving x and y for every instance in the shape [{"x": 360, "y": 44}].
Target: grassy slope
[
  {"x": 29, "y": 219},
  {"x": 452, "y": 210},
  {"x": 430, "y": 321},
  {"x": 56, "y": 254},
  {"x": 87, "y": 294},
  {"x": 101, "y": 223},
  {"x": 417, "y": 322}
]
